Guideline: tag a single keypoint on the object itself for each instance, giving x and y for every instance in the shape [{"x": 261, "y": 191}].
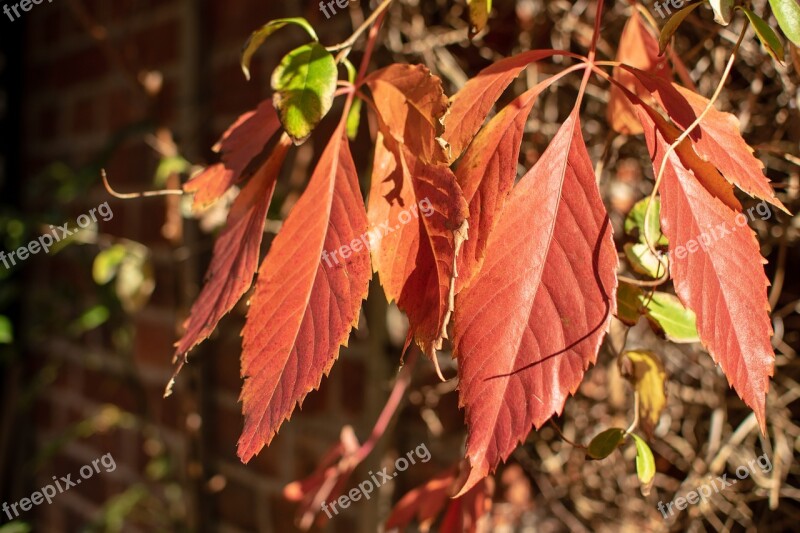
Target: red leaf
[
  {"x": 416, "y": 260},
  {"x": 464, "y": 513},
  {"x": 303, "y": 310},
  {"x": 236, "y": 252},
  {"x": 716, "y": 139},
  {"x": 472, "y": 104},
  {"x": 487, "y": 173},
  {"x": 416, "y": 207},
  {"x": 723, "y": 280},
  {"x": 327, "y": 481},
  {"x": 637, "y": 48},
  {"x": 425, "y": 504},
  {"x": 533, "y": 319},
  {"x": 242, "y": 142}
]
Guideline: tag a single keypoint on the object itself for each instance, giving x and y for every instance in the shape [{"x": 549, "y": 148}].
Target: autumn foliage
[{"x": 517, "y": 276}]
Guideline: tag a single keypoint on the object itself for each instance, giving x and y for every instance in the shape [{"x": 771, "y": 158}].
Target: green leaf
[
  {"x": 652, "y": 229},
  {"x": 644, "y": 261},
  {"x": 107, "y": 263},
  {"x": 605, "y": 443},
  {"x": 672, "y": 25},
  {"x": 135, "y": 280},
  {"x": 92, "y": 318},
  {"x": 629, "y": 299},
  {"x": 668, "y": 315},
  {"x": 6, "y": 331},
  {"x": 16, "y": 527},
  {"x": 304, "y": 84},
  {"x": 766, "y": 35},
  {"x": 788, "y": 14},
  {"x": 645, "y": 464},
  {"x": 478, "y": 15},
  {"x": 258, "y": 37},
  {"x": 171, "y": 165},
  {"x": 354, "y": 119}
]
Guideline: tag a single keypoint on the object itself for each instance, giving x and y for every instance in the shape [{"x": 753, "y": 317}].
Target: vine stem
[
  {"x": 345, "y": 46},
  {"x": 389, "y": 410},
  {"x": 592, "y": 53},
  {"x": 564, "y": 437},
  {"x": 635, "y": 421},
  {"x": 133, "y": 195},
  {"x": 688, "y": 132}
]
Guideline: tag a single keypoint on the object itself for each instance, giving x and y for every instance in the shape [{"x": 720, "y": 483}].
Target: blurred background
[{"x": 144, "y": 89}]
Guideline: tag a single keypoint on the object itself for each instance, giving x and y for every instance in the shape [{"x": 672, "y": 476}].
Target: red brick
[
  {"x": 237, "y": 504},
  {"x": 153, "y": 340}
]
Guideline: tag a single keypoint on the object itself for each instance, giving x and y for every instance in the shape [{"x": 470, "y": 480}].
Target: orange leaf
[
  {"x": 239, "y": 145},
  {"x": 427, "y": 502},
  {"x": 637, "y": 48},
  {"x": 416, "y": 207},
  {"x": 236, "y": 253},
  {"x": 487, "y": 173},
  {"x": 716, "y": 139},
  {"x": 532, "y": 321},
  {"x": 411, "y": 102},
  {"x": 423, "y": 504},
  {"x": 303, "y": 310},
  {"x": 470, "y": 106},
  {"x": 718, "y": 273}
]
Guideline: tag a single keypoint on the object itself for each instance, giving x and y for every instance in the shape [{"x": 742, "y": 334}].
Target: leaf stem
[
  {"x": 564, "y": 437},
  {"x": 392, "y": 404}
]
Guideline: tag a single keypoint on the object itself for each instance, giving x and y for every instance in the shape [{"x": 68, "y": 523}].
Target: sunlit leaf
[
  {"x": 304, "y": 306},
  {"x": 667, "y": 314},
  {"x": 478, "y": 15},
  {"x": 258, "y": 37},
  {"x": 635, "y": 223},
  {"x": 304, "y": 83},
  {"x": 524, "y": 335},
  {"x": 645, "y": 464},
  {"x": 644, "y": 261},
  {"x": 6, "y": 331},
  {"x": 92, "y": 318},
  {"x": 788, "y": 14},
  {"x": 107, "y": 262},
  {"x": 766, "y": 35},
  {"x": 354, "y": 119}
]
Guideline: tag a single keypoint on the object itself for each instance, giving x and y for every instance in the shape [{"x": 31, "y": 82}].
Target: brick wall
[{"x": 82, "y": 73}]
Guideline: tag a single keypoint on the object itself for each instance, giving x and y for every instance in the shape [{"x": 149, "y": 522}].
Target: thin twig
[
  {"x": 347, "y": 45},
  {"x": 134, "y": 195},
  {"x": 688, "y": 132}
]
